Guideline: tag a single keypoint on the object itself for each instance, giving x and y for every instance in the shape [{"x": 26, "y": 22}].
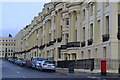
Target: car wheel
[
  {"x": 36, "y": 67},
  {"x": 53, "y": 70},
  {"x": 40, "y": 68},
  {"x": 33, "y": 67}
]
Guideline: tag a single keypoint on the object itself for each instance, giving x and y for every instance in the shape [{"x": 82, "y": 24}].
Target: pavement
[
  {"x": 89, "y": 75},
  {"x": 0, "y": 69}
]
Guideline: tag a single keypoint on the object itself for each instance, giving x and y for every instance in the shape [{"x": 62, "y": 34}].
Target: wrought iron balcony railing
[
  {"x": 42, "y": 46},
  {"x": 83, "y": 44},
  {"x": 59, "y": 39},
  {"x": 105, "y": 37},
  {"x": 118, "y": 34},
  {"x": 73, "y": 44},
  {"x": 47, "y": 45},
  {"x": 90, "y": 41},
  {"x": 63, "y": 47}
]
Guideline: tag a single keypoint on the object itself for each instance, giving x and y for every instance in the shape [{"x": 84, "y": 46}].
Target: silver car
[
  {"x": 46, "y": 65},
  {"x": 37, "y": 60}
]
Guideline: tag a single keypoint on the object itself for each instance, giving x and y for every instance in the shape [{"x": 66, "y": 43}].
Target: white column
[
  {"x": 87, "y": 29},
  {"x": 59, "y": 24},
  {"x": 102, "y": 22},
  {"x": 72, "y": 27},
  {"x": 94, "y": 25},
  {"x": 113, "y": 20},
  {"x": 78, "y": 25}
]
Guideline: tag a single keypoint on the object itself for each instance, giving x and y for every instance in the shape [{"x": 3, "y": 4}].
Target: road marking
[
  {"x": 16, "y": 68},
  {"x": 19, "y": 68},
  {"x": 93, "y": 77},
  {"x": 23, "y": 76},
  {"x": 18, "y": 72}
]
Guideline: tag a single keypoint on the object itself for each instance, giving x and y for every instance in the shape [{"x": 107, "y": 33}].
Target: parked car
[
  {"x": 46, "y": 65},
  {"x": 28, "y": 63},
  {"x": 15, "y": 61},
  {"x": 37, "y": 60},
  {"x": 9, "y": 59},
  {"x": 18, "y": 61},
  {"x": 23, "y": 62},
  {"x": 12, "y": 60}
]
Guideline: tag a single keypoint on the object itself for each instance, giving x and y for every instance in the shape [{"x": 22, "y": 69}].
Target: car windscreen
[
  {"x": 49, "y": 62},
  {"x": 41, "y": 59}
]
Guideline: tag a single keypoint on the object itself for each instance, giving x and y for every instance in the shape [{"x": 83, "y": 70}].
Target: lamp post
[{"x": 37, "y": 44}]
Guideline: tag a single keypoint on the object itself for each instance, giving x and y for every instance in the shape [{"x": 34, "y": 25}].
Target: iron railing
[
  {"x": 90, "y": 64},
  {"x": 90, "y": 41},
  {"x": 112, "y": 64},
  {"x": 105, "y": 37},
  {"x": 59, "y": 39},
  {"x": 83, "y": 44},
  {"x": 118, "y": 34},
  {"x": 73, "y": 44},
  {"x": 78, "y": 64}
]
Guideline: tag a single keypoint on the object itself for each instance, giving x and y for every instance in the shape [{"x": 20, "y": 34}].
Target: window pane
[{"x": 119, "y": 20}]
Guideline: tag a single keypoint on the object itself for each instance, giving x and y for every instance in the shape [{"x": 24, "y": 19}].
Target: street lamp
[{"x": 37, "y": 43}]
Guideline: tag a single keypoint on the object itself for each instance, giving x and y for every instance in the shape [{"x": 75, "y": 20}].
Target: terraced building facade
[
  {"x": 72, "y": 31},
  {"x": 7, "y": 47}
]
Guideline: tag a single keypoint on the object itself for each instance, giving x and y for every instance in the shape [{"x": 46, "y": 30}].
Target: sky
[{"x": 16, "y": 15}]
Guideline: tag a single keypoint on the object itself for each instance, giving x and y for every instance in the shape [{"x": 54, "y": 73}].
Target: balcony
[
  {"x": 42, "y": 46},
  {"x": 54, "y": 40},
  {"x": 105, "y": 37},
  {"x": 33, "y": 47},
  {"x": 36, "y": 46},
  {"x": 63, "y": 47},
  {"x": 73, "y": 44},
  {"x": 59, "y": 39},
  {"x": 47, "y": 45},
  {"x": 28, "y": 51},
  {"x": 90, "y": 41},
  {"x": 50, "y": 43},
  {"x": 118, "y": 34},
  {"x": 83, "y": 44}
]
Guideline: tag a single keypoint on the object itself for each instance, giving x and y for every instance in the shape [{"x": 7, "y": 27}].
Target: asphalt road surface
[{"x": 12, "y": 71}]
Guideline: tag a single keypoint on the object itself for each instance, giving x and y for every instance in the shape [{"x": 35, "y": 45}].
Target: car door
[{"x": 33, "y": 62}]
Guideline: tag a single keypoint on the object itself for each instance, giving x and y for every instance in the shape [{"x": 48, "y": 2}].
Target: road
[{"x": 11, "y": 71}]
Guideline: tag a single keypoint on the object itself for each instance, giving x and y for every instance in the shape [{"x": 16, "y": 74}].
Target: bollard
[
  {"x": 103, "y": 68},
  {"x": 119, "y": 69},
  {"x": 71, "y": 67}
]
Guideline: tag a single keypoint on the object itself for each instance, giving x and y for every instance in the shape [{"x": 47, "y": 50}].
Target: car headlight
[{"x": 37, "y": 64}]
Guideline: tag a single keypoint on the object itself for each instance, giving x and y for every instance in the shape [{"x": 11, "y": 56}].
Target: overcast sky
[{"x": 16, "y": 15}]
